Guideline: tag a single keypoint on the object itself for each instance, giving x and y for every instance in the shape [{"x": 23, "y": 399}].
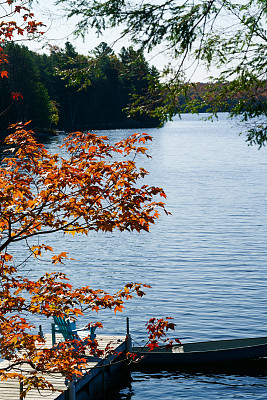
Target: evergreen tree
[{"x": 24, "y": 78}]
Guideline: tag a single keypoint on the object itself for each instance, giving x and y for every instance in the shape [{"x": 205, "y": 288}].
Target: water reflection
[{"x": 246, "y": 383}]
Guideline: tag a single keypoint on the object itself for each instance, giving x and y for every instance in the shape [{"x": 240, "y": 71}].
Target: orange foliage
[
  {"x": 156, "y": 329},
  {"x": 40, "y": 192},
  {"x": 95, "y": 187},
  {"x": 25, "y": 25}
]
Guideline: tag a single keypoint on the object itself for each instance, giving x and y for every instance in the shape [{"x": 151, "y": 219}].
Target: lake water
[{"x": 207, "y": 262}]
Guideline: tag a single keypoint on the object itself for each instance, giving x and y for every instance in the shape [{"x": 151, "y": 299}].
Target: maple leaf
[
  {"x": 4, "y": 74},
  {"x": 152, "y": 345},
  {"x": 16, "y": 96}
]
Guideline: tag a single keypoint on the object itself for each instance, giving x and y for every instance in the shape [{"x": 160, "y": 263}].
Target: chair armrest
[{"x": 92, "y": 331}]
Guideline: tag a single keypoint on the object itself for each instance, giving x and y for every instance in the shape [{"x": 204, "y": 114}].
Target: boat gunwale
[{"x": 162, "y": 349}]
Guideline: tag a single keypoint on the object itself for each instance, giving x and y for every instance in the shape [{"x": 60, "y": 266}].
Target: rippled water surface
[{"x": 207, "y": 262}]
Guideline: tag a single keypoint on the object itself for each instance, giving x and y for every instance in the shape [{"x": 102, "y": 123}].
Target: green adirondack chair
[{"x": 68, "y": 329}]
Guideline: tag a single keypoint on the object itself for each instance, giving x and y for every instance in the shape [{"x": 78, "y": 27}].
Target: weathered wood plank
[{"x": 10, "y": 389}]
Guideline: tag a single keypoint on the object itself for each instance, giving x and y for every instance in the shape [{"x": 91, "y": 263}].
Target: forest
[{"x": 68, "y": 91}]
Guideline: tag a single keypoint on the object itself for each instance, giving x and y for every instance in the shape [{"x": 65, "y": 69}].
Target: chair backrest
[
  {"x": 65, "y": 327},
  {"x": 92, "y": 333},
  {"x": 68, "y": 329}
]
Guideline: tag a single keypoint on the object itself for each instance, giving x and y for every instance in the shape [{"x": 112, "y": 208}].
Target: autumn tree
[
  {"x": 228, "y": 37},
  {"x": 95, "y": 187}
]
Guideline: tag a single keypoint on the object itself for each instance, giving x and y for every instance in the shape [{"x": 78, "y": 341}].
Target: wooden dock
[{"x": 97, "y": 377}]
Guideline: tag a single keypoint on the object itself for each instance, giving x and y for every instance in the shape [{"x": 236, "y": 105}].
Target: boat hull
[{"x": 214, "y": 352}]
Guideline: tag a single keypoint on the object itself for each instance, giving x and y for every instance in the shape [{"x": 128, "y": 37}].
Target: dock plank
[{"x": 10, "y": 389}]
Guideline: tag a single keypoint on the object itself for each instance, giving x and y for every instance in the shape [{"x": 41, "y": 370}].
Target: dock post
[
  {"x": 21, "y": 395},
  {"x": 41, "y": 333},
  {"x": 53, "y": 334},
  {"x": 129, "y": 346},
  {"x": 127, "y": 326},
  {"x": 71, "y": 391}
]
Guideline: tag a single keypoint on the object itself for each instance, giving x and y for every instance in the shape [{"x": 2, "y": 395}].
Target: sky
[{"x": 59, "y": 29}]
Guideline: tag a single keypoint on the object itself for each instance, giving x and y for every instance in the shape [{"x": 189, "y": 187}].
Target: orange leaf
[{"x": 4, "y": 74}]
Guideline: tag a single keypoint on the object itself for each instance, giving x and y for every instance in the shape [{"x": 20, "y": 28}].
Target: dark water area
[{"x": 206, "y": 263}]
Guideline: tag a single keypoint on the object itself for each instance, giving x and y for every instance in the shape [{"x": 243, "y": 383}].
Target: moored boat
[{"x": 201, "y": 353}]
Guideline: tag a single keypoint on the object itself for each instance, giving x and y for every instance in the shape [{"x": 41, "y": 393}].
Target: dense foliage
[
  {"x": 94, "y": 186},
  {"x": 69, "y": 91},
  {"x": 228, "y": 37}
]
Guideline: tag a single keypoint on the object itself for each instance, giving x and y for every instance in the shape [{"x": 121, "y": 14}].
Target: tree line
[
  {"x": 68, "y": 91},
  {"x": 227, "y": 37}
]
